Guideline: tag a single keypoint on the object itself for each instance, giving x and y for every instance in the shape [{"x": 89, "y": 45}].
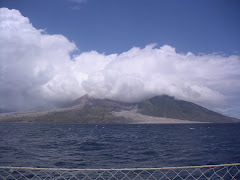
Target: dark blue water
[{"x": 117, "y": 146}]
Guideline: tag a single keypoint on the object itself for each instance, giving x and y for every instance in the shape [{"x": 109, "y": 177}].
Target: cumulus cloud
[
  {"x": 29, "y": 59},
  {"x": 36, "y": 69}
]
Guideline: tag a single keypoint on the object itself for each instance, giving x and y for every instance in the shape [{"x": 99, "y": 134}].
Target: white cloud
[
  {"x": 78, "y": 4},
  {"x": 29, "y": 59},
  {"x": 36, "y": 68},
  {"x": 79, "y": 1}
]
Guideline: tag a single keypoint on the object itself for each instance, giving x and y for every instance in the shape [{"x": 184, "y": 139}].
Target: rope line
[
  {"x": 209, "y": 172},
  {"x": 121, "y": 169}
]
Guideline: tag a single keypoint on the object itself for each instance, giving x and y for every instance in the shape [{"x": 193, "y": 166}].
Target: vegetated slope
[{"x": 169, "y": 107}]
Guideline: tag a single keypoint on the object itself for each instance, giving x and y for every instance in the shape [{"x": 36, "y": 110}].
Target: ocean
[{"x": 118, "y": 146}]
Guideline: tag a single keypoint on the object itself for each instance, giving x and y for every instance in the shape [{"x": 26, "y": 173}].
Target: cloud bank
[{"x": 37, "y": 69}]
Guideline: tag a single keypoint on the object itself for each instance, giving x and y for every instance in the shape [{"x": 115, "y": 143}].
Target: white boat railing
[{"x": 208, "y": 172}]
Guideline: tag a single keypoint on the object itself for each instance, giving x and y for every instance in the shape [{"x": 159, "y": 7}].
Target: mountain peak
[
  {"x": 90, "y": 110},
  {"x": 169, "y": 107},
  {"x": 81, "y": 102}
]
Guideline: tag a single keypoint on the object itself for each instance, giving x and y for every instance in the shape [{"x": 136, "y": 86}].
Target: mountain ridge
[
  {"x": 169, "y": 107},
  {"x": 159, "y": 109}
]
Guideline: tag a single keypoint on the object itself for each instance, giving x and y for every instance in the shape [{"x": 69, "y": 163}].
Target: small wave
[{"x": 149, "y": 152}]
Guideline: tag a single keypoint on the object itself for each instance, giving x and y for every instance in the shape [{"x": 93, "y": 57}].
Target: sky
[{"x": 53, "y": 51}]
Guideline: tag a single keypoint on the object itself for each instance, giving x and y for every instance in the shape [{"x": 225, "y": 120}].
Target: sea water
[{"x": 117, "y": 146}]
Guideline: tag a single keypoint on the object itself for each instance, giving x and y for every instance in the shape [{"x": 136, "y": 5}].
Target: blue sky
[
  {"x": 114, "y": 26},
  {"x": 53, "y": 51}
]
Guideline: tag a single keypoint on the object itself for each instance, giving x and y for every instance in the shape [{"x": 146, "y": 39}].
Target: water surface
[{"x": 117, "y": 146}]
